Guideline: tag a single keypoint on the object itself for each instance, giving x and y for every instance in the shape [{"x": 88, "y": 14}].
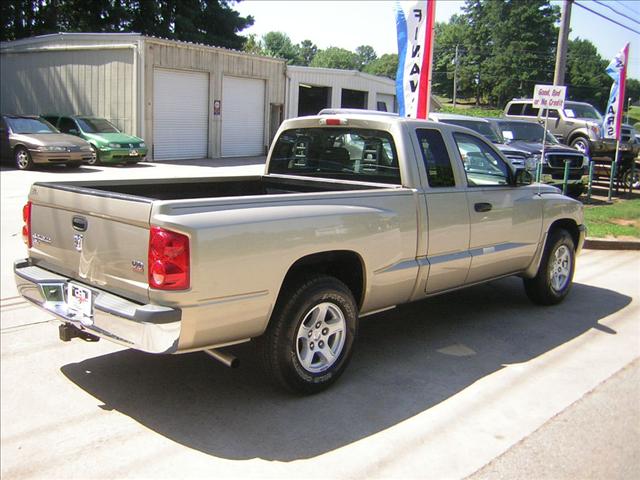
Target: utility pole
[
  {"x": 563, "y": 38},
  {"x": 455, "y": 77}
]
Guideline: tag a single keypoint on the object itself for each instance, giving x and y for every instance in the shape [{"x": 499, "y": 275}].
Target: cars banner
[
  {"x": 617, "y": 70},
  {"x": 414, "y": 23}
]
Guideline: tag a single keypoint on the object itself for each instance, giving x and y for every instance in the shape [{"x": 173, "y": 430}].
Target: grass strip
[{"x": 621, "y": 219}]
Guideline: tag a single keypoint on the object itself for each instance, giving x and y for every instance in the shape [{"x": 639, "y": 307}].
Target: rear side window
[
  {"x": 341, "y": 153},
  {"x": 530, "y": 110},
  {"x": 515, "y": 109},
  {"x": 436, "y": 158}
]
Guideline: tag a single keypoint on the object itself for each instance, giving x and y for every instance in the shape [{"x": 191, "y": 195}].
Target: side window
[
  {"x": 515, "y": 109},
  {"x": 66, "y": 124},
  {"x": 482, "y": 165},
  {"x": 530, "y": 110},
  {"x": 436, "y": 158},
  {"x": 553, "y": 113}
]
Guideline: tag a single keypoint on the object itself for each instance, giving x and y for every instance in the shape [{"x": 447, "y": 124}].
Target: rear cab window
[{"x": 341, "y": 153}]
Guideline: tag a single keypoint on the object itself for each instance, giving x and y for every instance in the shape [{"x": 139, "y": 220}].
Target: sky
[{"x": 349, "y": 24}]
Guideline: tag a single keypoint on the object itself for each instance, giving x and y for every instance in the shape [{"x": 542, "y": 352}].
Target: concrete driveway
[{"x": 436, "y": 389}]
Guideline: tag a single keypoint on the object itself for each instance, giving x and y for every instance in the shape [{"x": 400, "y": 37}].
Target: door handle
[{"x": 482, "y": 207}]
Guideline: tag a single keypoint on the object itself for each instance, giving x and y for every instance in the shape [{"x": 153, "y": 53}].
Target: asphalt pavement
[{"x": 478, "y": 383}]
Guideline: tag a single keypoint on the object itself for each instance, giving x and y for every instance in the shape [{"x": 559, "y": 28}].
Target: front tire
[
  {"x": 23, "y": 159},
  {"x": 96, "y": 158},
  {"x": 582, "y": 144},
  {"x": 310, "y": 337},
  {"x": 555, "y": 274}
]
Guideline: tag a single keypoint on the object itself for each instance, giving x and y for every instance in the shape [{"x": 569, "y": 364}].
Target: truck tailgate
[{"x": 96, "y": 238}]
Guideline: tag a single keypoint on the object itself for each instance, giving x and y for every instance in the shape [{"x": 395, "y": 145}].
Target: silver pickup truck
[{"x": 355, "y": 213}]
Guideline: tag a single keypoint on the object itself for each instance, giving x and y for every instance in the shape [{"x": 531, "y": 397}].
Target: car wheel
[
  {"x": 628, "y": 181},
  {"x": 582, "y": 144},
  {"x": 310, "y": 337},
  {"x": 555, "y": 273},
  {"x": 23, "y": 159},
  {"x": 96, "y": 159}
]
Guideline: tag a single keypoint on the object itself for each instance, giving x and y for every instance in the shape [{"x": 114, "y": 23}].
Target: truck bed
[{"x": 190, "y": 188}]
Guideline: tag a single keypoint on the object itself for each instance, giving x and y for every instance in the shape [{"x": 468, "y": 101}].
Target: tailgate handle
[{"x": 79, "y": 223}]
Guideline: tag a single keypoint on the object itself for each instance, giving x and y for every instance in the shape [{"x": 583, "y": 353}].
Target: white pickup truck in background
[{"x": 356, "y": 213}]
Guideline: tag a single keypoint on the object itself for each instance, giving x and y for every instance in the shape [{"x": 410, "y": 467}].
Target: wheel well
[
  {"x": 568, "y": 225},
  {"x": 578, "y": 135},
  {"x": 345, "y": 265}
]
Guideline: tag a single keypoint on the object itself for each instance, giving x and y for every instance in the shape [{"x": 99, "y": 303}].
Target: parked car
[
  {"x": 109, "y": 143},
  {"x": 578, "y": 125},
  {"x": 29, "y": 140},
  {"x": 355, "y": 213},
  {"x": 519, "y": 158},
  {"x": 529, "y": 136}
]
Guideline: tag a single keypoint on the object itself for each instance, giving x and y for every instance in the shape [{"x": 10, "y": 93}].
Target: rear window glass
[{"x": 340, "y": 153}]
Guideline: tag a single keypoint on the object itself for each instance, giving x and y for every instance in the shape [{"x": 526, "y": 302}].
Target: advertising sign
[
  {"x": 617, "y": 70},
  {"x": 549, "y": 96}
]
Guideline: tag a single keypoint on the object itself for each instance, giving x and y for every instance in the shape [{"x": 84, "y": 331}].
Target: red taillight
[
  {"x": 168, "y": 260},
  {"x": 26, "y": 228},
  {"x": 333, "y": 121}
]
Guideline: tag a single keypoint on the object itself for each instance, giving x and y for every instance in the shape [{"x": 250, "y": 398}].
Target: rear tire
[
  {"x": 555, "y": 274},
  {"x": 582, "y": 144},
  {"x": 23, "y": 159},
  {"x": 310, "y": 337}
]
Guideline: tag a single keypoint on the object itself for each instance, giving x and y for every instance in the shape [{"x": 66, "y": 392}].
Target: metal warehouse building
[
  {"x": 310, "y": 89},
  {"x": 185, "y": 100}
]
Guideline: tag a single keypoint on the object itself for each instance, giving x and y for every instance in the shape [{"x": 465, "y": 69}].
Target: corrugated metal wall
[
  {"x": 336, "y": 80},
  {"x": 218, "y": 63},
  {"x": 82, "y": 82}
]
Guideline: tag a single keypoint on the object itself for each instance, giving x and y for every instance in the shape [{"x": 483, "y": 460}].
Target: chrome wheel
[
  {"x": 581, "y": 144},
  {"x": 560, "y": 268},
  {"x": 23, "y": 159},
  {"x": 320, "y": 337}
]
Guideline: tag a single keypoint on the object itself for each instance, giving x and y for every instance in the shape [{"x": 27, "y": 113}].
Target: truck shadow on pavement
[{"x": 406, "y": 361}]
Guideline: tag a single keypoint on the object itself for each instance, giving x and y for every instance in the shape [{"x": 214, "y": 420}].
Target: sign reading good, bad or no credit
[{"x": 550, "y": 96}]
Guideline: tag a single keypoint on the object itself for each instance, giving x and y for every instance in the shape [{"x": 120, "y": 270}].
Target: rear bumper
[{"x": 150, "y": 328}]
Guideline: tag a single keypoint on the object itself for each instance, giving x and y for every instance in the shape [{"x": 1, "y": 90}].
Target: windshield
[
  {"x": 30, "y": 125},
  {"x": 576, "y": 110},
  {"x": 483, "y": 128},
  {"x": 525, "y": 132},
  {"x": 96, "y": 125},
  {"x": 340, "y": 153}
]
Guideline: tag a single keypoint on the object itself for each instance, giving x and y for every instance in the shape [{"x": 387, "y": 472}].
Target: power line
[
  {"x": 616, "y": 12},
  {"x": 606, "y": 18},
  {"x": 625, "y": 5}
]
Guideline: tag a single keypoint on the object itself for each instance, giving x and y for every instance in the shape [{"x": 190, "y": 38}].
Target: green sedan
[{"x": 109, "y": 143}]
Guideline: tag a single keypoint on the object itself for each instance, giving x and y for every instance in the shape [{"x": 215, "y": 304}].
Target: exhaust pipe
[{"x": 224, "y": 358}]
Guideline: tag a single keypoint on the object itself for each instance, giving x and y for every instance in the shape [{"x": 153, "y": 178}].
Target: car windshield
[
  {"x": 576, "y": 110},
  {"x": 30, "y": 125},
  {"x": 342, "y": 153},
  {"x": 525, "y": 132},
  {"x": 97, "y": 125},
  {"x": 483, "y": 128}
]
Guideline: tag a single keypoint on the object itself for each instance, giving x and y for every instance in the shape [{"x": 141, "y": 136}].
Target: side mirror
[
  {"x": 523, "y": 177},
  {"x": 73, "y": 131}
]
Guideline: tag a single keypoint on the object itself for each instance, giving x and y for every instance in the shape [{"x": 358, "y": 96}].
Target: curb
[{"x": 603, "y": 244}]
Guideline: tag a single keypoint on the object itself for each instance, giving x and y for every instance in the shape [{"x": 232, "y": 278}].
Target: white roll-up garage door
[
  {"x": 180, "y": 114},
  {"x": 242, "y": 117}
]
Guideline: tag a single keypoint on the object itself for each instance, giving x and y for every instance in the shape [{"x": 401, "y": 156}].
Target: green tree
[
  {"x": 307, "y": 50},
  {"x": 335, "y": 57},
  {"x": 279, "y": 45},
  {"x": 253, "y": 45},
  {"x": 366, "y": 55},
  {"x": 385, "y": 66},
  {"x": 585, "y": 77}
]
